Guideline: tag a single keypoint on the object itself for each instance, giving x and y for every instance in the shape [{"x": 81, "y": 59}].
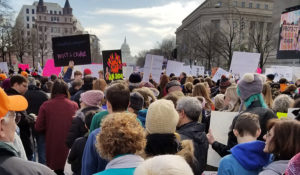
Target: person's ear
[
  {"x": 2, "y": 133},
  {"x": 236, "y": 133},
  {"x": 258, "y": 132}
]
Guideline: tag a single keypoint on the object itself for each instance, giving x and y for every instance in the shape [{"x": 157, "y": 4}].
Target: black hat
[
  {"x": 271, "y": 76},
  {"x": 135, "y": 78}
]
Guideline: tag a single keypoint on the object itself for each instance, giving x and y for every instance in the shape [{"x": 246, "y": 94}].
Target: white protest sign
[
  {"x": 244, "y": 62},
  {"x": 210, "y": 173},
  {"x": 282, "y": 72},
  {"x": 95, "y": 68},
  {"x": 220, "y": 123},
  {"x": 187, "y": 70},
  {"x": 153, "y": 65},
  {"x": 219, "y": 74},
  {"x": 296, "y": 73},
  {"x": 3, "y": 67},
  {"x": 174, "y": 67},
  {"x": 290, "y": 112},
  {"x": 127, "y": 71},
  {"x": 197, "y": 70}
]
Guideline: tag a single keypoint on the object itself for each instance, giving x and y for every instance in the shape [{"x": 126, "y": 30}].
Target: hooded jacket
[
  {"x": 275, "y": 168},
  {"x": 142, "y": 116},
  {"x": 196, "y": 132},
  {"x": 10, "y": 163},
  {"x": 246, "y": 158}
]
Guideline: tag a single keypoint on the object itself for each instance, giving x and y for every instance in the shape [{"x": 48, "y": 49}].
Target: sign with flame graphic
[{"x": 112, "y": 64}]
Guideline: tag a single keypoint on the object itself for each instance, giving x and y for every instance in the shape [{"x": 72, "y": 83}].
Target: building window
[
  {"x": 45, "y": 29},
  {"x": 28, "y": 26},
  {"x": 33, "y": 19},
  {"x": 58, "y": 30},
  {"x": 257, "y": 6},
  {"x": 235, "y": 3},
  {"x": 55, "y": 12},
  {"x": 250, "y": 5},
  {"x": 216, "y": 23},
  {"x": 66, "y": 30},
  {"x": 28, "y": 33},
  {"x": 65, "y": 19},
  {"x": 40, "y": 18},
  {"x": 51, "y": 18},
  {"x": 52, "y": 29},
  {"x": 40, "y": 28},
  {"x": 243, "y": 4},
  {"x": 60, "y": 12},
  {"x": 57, "y": 19},
  {"x": 32, "y": 11},
  {"x": 45, "y": 18},
  {"x": 27, "y": 11},
  {"x": 70, "y": 19},
  {"x": 266, "y": 6},
  {"x": 27, "y": 18},
  {"x": 51, "y": 12}
]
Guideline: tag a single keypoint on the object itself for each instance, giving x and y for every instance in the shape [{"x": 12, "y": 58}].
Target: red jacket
[{"x": 55, "y": 118}]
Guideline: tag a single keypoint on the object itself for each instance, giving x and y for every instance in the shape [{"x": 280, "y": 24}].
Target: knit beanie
[
  {"x": 92, "y": 97},
  {"x": 136, "y": 101},
  {"x": 294, "y": 165},
  {"x": 249, "y": 85},
  {"x": 25, "y": 74},
  {"x": 135, "y": 78},
  {"x": 171, "y": 84},
  {"x": 87, "y": 71},
  {"x": 224, "y": 82},
  {"x": 162, "y": 117}
]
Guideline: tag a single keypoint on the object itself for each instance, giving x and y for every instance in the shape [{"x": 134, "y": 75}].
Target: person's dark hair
[
  {"x": 118, "y": 96},
  {"x": 196, "y": 81},
  {"x": 53, "y": 77},
  {"x": 19, "y": 79},
  {"x": 172, "y": 75},
  {"x": 77, "y": 82},
  {"x": 282, "y": 81},
  {"x": 209, "y": 82},
  {"x": 160, "y": 144},
  {"x": 88, "y": 118},
  {"x": 77, "y": 73},
  {"x": 38, "y": 83},
  {"x": 87, "y": 82},
  {"x": 297, "y": 103},
  {"x": 285, "y": 142},
  {"x": 60, "y": 87},
  {"x": 247, "y": 123},
  {"x": 44, "y": 80}
]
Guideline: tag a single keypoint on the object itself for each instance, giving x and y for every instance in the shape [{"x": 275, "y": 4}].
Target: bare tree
[
  {"x": 140, "y": 58},
  {"x": 166, "y": 47},
  {"x": 20, "y": 41},
  {"x": 43, "y": 42},
  {"x": 34, "y": 45},
  {"x": 262, "y": 43}
]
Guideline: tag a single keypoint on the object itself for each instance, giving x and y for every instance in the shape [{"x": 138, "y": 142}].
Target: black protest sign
[
  {"x": 67, "y": 48},
  {"x": 112, "y": 64}
]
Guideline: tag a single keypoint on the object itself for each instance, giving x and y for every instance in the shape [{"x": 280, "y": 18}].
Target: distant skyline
[{"x": 142, "y": 22}]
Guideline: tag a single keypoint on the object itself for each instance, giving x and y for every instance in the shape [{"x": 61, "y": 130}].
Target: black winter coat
[
  {"x": 75, "y": 156},
  {"x": 35, "y": 98},
  {"x": 78, "y": 125},
  {"x": 255, "y": 108},
  {"x": 196, "y": 132}
]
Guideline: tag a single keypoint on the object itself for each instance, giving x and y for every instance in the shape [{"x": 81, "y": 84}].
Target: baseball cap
[{"x": 11, "y": 103}]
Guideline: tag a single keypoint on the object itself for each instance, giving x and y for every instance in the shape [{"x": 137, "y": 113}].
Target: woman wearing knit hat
[
  {"x": 161, "y": 121},
  {"x": 249, "y": 90},
  {"x": 90, "y": 101}
]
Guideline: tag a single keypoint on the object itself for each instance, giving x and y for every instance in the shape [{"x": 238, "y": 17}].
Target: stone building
[
  {"x": 243, "y": 17},
  {"x": 40, "y": 22},
  {"x": 126, "y": 54}
]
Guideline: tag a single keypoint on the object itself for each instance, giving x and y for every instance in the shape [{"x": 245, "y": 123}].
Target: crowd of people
[{"x": 130, "y": 127}]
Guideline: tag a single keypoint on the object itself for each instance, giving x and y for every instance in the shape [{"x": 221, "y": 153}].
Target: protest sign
[
  {"x": 280, "y": 72},
  {"x": 219, "y": 74},
  {"x": 95, "y": 68},
  {"x": 187, "y": 70},
  {"x": 197, "y": 70},
  {"x": 210, "y": 173},
  {"x": 220, "y": 123},
  {"x": 296, "y": 73},
  {"x": 293, "y": 112},
  {"x": 127, "y": 71},
  {"x": 174, "y": 67},
  {"x": 153, "y": 66},
  {"x": 112, "y": 64},
  {"x": 23, "y": 66},
  {"x": 50, "y": 69},
  {"x": 244, "y": 62},
  {"x": 3, "y": 67},
  {"x": 75, "y": 48}
]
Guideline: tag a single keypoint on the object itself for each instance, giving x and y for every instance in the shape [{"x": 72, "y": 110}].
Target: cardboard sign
[
  {"x": 219, "y": 74},
  {"x": 50, "y": 69},
  {"x": 127, "y": 71},
  {"x": 112, "y": 64},
  {"x": 220, "y": 123},
  {"x": 198, "y": 70},
  {"x": 23, "y": 66},
  {"x": 4, "y": 67},
  {"x": 153, "y": 66},
  {"x": 95, "y": 68},
  {"x": 75, "y": 47},
  {"x": 244, "y": 62},
  {"x": 174, "y": 67}
]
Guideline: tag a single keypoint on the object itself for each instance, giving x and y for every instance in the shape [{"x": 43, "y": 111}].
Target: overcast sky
[{"x": 143, "y": 22}]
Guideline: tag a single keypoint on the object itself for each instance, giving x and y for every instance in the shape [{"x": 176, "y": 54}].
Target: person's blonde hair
[
  {"x": 99, "y": 84},
  {"x": 189, "y": 79},
  {"x": 200, "y": 90},
  {"x": 234, "y": 103},
  {"x": 219, "y": 102},
  {"x": 121, "y": 133},
  {"x": 267, "y": 94}
]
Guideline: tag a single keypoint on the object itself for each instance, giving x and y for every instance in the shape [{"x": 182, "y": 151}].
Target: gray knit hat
[
  {"x": 249, "y": 85},
  {"x": 171, "y": 84}
]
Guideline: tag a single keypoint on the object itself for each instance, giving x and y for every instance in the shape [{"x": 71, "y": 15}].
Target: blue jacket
[
  {"x": 142, "y": 116},
  {"x": 246, "y": 158},
  {"x": 91, "y": 161},
  {"x": 68, "y": 75}
]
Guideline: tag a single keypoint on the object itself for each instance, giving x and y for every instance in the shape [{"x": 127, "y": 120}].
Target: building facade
[
  {"x": 42, "y": 21},
  {"x": 238, "y": 19},
  {"x": 126, "y": 54}
]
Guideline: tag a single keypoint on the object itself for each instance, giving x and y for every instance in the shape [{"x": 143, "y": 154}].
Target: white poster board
[
  {"x": 153, "y": 65},
  {"x": 127, "y": 71},
  {"x": 220, "y": 123},
  {"x": 290, "y": 112},
  {"x": 174, "y": 67},
  {"x": 296, "y": 73},
  {"x": 187, "y": 70},
  {"x": 280, "y": 72},
  {"x": 95, "y": 68},
  {"x": 4, "y": 67},
  {"x": 197, "y": 70},
  {"x": 244, "y": 62},
  {"x": 219, "y": 74}
]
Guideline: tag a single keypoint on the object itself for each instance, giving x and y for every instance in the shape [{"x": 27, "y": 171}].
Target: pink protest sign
[
  {"x": 50, "y": 69},
  {"x": 258, "y": 70},
  {"x": 23, "y": 66}
]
